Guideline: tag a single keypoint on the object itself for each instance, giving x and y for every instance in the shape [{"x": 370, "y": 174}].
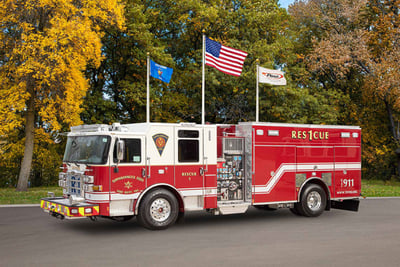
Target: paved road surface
[{"x": 371, "y": 237}]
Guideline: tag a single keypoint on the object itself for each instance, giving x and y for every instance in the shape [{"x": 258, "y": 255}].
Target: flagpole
[
  {"x": 148, "y": 89},
  {"x": 203, "y": 81},
  {"x": 257, "y": 100}
]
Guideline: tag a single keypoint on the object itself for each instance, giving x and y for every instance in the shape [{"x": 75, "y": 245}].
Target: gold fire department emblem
[{"x": 160, "y": 140}]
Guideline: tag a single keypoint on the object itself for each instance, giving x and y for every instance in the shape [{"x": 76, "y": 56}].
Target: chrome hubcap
[
  {"x": 160, "y": 209},
  {"x": 314, "y": 201}
]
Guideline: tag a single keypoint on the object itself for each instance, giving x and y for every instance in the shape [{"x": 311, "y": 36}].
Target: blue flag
[{"x": 160, "y": 72}]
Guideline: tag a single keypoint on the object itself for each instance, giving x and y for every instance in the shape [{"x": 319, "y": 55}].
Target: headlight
[
  {"x": 61, "y": 176},
  {"x": 88, "y": 179},
  {"x": 88, "y": 188}
]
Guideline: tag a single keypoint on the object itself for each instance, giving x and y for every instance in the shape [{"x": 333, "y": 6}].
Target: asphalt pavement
[{"x": 370, "y": 237}]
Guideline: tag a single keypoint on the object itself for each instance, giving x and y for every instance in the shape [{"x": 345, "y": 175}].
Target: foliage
[
  {"x": 355, "y": 51},
  {"x": 46, "y": 160},
  {"x": 172, "y": 32},
  {"x": 11, "y": 153},
  {"x": 46, "y": 45}
]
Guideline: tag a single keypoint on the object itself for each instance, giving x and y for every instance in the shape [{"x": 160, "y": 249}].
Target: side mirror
[{"x": 120, "y": 150}]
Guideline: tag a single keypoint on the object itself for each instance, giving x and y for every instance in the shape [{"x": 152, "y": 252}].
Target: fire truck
[{"x": 159, "y": 171}]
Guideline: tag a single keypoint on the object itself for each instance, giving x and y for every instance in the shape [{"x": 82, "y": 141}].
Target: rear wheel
[
  {"x": 158, "y": 210},
  {"x": 312, "y": 202}
]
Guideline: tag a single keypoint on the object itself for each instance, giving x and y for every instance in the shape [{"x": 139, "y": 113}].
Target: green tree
[
  {"x": 172, "y": 32},
  {"x": 118, "y": 87}
]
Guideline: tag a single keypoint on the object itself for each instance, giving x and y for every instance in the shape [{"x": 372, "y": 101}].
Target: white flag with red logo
[{"x": 274, "y": 77}]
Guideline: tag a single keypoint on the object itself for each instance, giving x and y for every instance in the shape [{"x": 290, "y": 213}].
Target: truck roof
[
  {"x": 142, "y": 128},
  {"x": 139, "y": 128},
  {"x": 278, "y": 124}
]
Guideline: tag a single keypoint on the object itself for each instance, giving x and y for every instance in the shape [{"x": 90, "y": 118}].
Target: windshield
[{"x": 87, "y": 149}]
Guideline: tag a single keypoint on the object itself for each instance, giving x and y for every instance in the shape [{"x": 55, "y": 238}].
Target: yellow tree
[{"x": 45, "y": 45}]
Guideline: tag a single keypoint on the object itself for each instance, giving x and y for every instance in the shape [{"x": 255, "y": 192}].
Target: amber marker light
[{"x": 97, "y": 188}]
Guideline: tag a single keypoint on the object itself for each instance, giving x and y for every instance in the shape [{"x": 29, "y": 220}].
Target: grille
[{"x": 75, "y": 183}]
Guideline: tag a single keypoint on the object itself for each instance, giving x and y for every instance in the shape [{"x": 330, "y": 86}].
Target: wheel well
[
  {"x": 321, "y": 183},
  {"x": 161, "y": 186}
]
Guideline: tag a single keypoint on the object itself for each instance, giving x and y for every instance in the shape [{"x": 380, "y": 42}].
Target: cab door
[
  {"x": 189, "y": 168},
  {"x": 127, "y": 176}
]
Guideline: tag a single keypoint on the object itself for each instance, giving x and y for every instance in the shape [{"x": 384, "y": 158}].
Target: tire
[
  {"x": 295, "y": 210},
  {"x": 158, "y": 210},
  {"x": 312, "y": 202}
]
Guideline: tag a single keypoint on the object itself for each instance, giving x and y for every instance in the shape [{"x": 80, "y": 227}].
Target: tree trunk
[
  {"x": 391, "y": 121},
  {"x": 394, "y": 133},
  {"x": 29, "y": 143}
]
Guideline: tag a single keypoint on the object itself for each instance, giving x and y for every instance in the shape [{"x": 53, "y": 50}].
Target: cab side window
[
  {"x": 132, "y": 153},
  {"x": 188, "y": 146}
]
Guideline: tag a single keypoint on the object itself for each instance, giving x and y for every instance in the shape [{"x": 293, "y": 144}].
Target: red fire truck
[{"x": 158, "y": 171}]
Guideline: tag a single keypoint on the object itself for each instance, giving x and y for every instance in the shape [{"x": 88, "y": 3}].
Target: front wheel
[
  {"x": 158, "y": 210},
  {"x": 312, "y": 202}
]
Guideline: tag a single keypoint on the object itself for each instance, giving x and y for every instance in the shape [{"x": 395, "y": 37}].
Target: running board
[{"x": 232, "y": 209}]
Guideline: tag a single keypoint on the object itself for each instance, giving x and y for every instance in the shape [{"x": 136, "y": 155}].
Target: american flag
[{"x": 224, "y": 58}]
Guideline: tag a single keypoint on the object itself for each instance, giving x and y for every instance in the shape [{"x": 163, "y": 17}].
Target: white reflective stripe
[
  {"x": 124, "y": 196},
  {"x": 97, "y": 197},
  {"x": 329, "y": 166},
  {"x": 348, "y": 166},
  {"x": 290, "y": 167},
  {"x": 277, "y": 176},
  {"x": 210, "y": 191},
  {"x": 311, "y": 167},
  {"x": 191, "y": 192},
  {"x": 114, "y": 196}
]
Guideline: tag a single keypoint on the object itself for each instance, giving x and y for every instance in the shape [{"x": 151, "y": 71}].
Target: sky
[{"x": 285, "y": 3}]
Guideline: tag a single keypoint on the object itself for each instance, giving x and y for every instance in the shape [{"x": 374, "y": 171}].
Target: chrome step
[{"x": 232, "y": 209}]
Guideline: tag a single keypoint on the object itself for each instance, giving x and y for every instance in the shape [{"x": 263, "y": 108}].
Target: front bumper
[{"x": 59, "y": 206}]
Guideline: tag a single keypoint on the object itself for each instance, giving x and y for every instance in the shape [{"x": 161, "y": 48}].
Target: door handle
[{"x": 148, "y": 166}]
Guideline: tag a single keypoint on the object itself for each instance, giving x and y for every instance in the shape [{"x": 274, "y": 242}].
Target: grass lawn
[
  {"x": 378, "y": 188},
  {"x": 370, "y": 188},
  {"x": 32, "y": 196}
]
